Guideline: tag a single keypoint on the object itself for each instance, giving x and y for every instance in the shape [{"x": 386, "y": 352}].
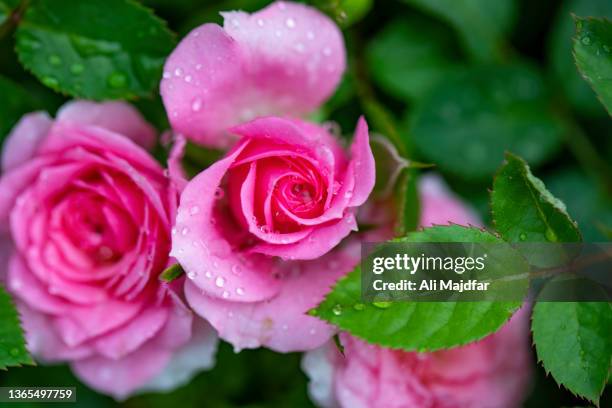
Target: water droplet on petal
[
  {"x": 191, "y": 275},
  {"x": 188, "y": 78},
  {"x": 236, "y": 270},
  {"x": 184, "y": 231},
  {"x": 194, "y": 210},
  {"x": 225, "y": 294},
  {"x": 220, "y": 281},
  {"x": 208, "y": 274},
  {"x": 239, "y": 291},
  {"x": 260, "y": 22},
  {"x": 290, "y": 23},
  {"x": 178, "y": 72},
  {"x": 173, "y": 230},
  {"x": 196, "y": 105}
]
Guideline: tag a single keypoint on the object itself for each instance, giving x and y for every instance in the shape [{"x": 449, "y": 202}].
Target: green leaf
[
  {"x": 15, "y": 103},
  {"x": 173, "y": 272},
  {"x": 6, "y": 9},
  {"x": 585, "y": 200},
  {"x": 579, "y": 92},
  {"x": 422, "y": 326},
  {"x": 12, "y": 344},
  {"x": 422, "y": 54},
  {"x": 573, "y": 342},
  {"x": 482, "y": 24},
  {"x": 593, "y": 55},
  {"x": 468, "y": 120},
  {"x": 97, "y": 49},
  {"x": 523, "y": 210}
]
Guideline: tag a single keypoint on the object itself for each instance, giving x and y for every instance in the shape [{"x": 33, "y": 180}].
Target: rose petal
[
  {"x": 131, "y": 336},
  {"x": 186, "y": 362},
  {"x": 116, "y": 116},
  {"x": 25, "y": 138},
  {"x": 285, "y": 59},
  {"x": 280, "y": 323},
  {"x": 42, "y": 338},
  {"x": 364, "y": 167},
  {"x": 120, "y": 378},
  {"x": 322, "y": 239},
  {"x": 205, "y": 254}
]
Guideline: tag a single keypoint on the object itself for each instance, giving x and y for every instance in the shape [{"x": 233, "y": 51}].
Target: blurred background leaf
[
  {"x": 481, "y": 24},
  {"x": 469, "y": 119}
]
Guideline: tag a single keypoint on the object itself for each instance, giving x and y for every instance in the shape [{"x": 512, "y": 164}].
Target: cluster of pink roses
[{"x": 91, "y": 220}]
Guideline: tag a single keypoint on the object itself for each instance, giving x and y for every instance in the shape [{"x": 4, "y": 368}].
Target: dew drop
[
  {"x": 550, "y": 235},
  {"x": 290, "y": 23},
  {"x": 77, "y": 68},
  {"x": 173, "y": 230},
  {"x": 208, "y": 274},
  {"x": 522, "y": 236},
  {"x": 359, "y": 306},
  {"x": 382, "y": 305},
  {"x": 117, "y": 80},
  {"x": 337, "y": 310},
  {"x": 239, "y": 291},
  {"x": 260, "y": 22},
  {"x": 586, "y": 40},
  {"x": 178, "y": 72},
  {"x": 185, "y": 231},
  {"x": 188, "y": 78},
  {"x": 225, "y": 294},
  {"x": 194, "y": 210},
  {"x": 191, "y": 275},
  {"x": 196, "y": 105},
  {"x": 236, "y": 270},
  {"x": 55, "y": 60},
  {"x": 50, "y": 81},
  {"x": 220, "y": 281}
]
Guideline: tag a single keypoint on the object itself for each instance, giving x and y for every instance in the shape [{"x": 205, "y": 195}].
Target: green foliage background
[{"x": 454, "y": 83}]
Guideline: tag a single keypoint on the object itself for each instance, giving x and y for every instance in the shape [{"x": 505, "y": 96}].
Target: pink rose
[
  {"x": 286, "y": 190},
  {"x": 491, "y": 373},
  {"x": 285, "y": 59},
  {"x": 88, "y": 212}
]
